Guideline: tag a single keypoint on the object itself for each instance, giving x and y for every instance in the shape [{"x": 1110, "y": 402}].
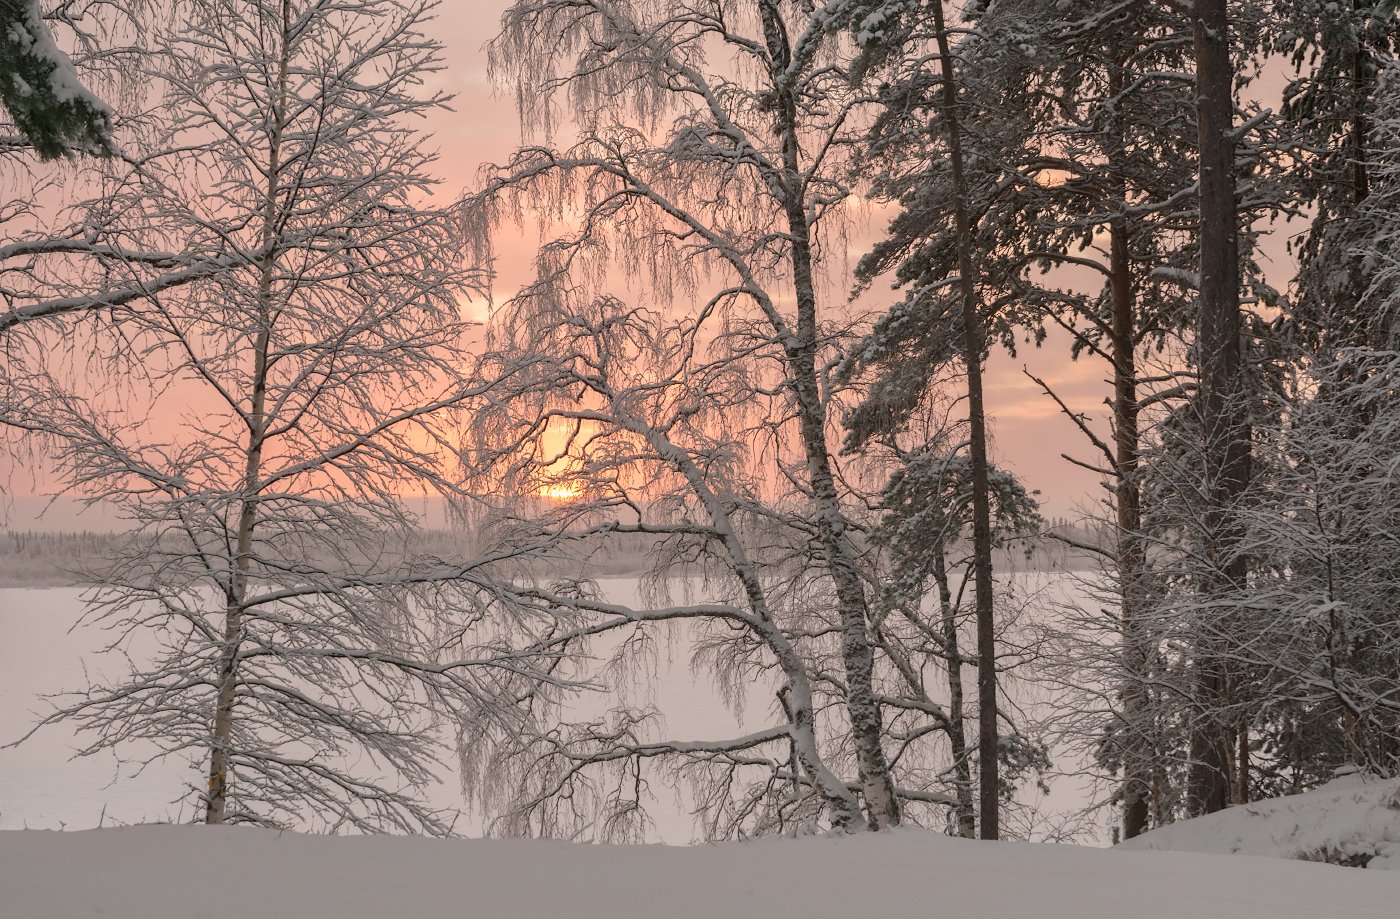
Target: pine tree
[
  {"x": 1330, "y": 110},
  {"x": 1092, "y": 126},
  {"x": 918, "y": 34},
  {"x": 928, "y": 510},
  {"x": 40, "y": 88},
  {"x": 1223, "y": 407}
]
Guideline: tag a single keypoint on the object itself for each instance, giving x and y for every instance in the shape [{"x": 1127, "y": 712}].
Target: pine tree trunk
[
  {"x": 957, "y": 719},
  {"x": 1242, "y": 763},
  {"x": 1137, "y": 758},
  {"x": 1361, "y": 87},
  {"x": 974, "y": 344},
  {"x": 1224, "y": 411}
]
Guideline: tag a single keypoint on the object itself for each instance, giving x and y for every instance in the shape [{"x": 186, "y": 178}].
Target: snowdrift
[
  {"x": 191, "y": 872},
  {"x": 1349, "y": 821}
]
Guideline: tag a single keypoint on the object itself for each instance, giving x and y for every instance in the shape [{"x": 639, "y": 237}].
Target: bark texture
[
  {"x": 1223, "y": 409},
  {"x": 957, "y": 707},
  {"x": 973, "y": 346},
  {"x": 1137, "y": 758},
  {"x": 216, "y": 800},
  {"x": 857, "y": 653}
]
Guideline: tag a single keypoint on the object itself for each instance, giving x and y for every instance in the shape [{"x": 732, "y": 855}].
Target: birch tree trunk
[
  {"x": 216, "y": 804},
  {"x": 858, "y": 656},
  {"x": 217, "y": 800},
  {"x": 798, "y": 697}
]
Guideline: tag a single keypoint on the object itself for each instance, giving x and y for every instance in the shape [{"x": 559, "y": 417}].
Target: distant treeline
[
  {"x": 55, "y": 559},
  {"x": 34, "y": 559}
]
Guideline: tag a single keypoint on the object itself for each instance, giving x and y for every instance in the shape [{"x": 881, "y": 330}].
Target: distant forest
[{"x": 31, "y": 558}]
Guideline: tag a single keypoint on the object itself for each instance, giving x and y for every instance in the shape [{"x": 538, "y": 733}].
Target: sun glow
[{"x": 562, "y": 491}]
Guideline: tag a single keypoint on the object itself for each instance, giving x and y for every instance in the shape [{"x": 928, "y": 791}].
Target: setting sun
[{"x": 562, "y": 491}]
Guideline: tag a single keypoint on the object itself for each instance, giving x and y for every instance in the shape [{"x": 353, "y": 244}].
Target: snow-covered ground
[
  {"x": 1350, "y": 820},
  {"x": 187, "y": 872}
]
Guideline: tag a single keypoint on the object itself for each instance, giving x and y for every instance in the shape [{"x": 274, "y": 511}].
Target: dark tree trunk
[
  {"x": 1137, "y": 759},
  {"x": 974, "y": 343},
  {"x": 1361, "y": 102},
  {"x": 1137, "y": 751},
  {"x": 957, "y": 721},
  {"x": 1224, "y": 412}
]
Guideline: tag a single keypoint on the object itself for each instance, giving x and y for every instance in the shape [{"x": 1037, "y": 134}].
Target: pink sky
[{"x": 1030, "y": 435}]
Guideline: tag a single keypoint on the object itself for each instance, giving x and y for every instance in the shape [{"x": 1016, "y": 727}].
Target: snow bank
[
  {"x": 1350, "y": 821},
  {"x": 191, "y": 872}
]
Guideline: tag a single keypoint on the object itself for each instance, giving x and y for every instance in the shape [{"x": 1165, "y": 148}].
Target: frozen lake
[
  {"x": 44, "y": 651},
  {"x": 41, "y": 786}
]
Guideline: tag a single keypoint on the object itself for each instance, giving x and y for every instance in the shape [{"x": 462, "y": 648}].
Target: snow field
[{"x": 195, "y": 872}]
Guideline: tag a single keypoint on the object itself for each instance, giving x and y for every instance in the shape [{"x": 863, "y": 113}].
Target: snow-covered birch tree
[
  {"x": 628, "y": 425},
  {"x": 295, "y": 402},
  {"x": 712, "y": 142}
]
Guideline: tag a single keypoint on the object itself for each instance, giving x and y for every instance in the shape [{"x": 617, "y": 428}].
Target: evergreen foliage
[{"x": 42, "y": 92}]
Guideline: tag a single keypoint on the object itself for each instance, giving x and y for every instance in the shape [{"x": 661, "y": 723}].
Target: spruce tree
[{"x": 40, "y": 88}]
